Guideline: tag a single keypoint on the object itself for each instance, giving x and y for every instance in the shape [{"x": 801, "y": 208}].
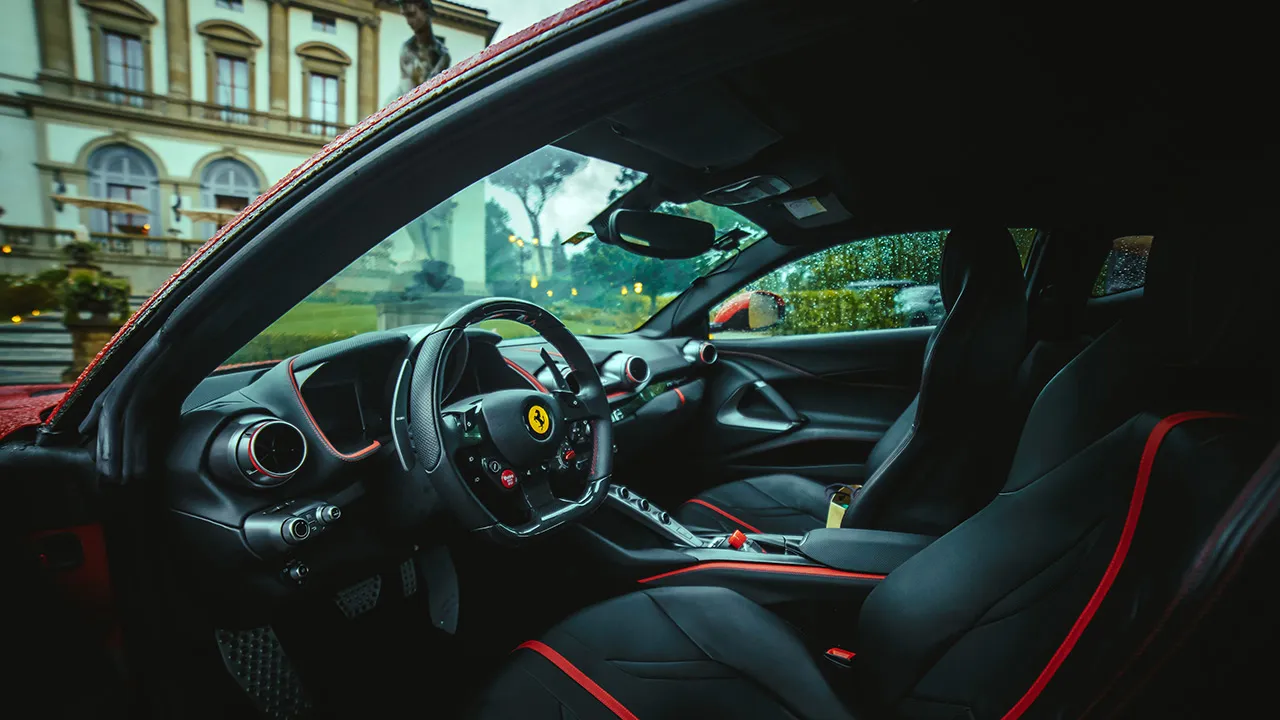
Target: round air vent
[
  {"x": 275, "y": 449},
  {"x": 264, "y": 451},
  {"x": 701, "y": 352},
  {"x": 636, "y": 370},
  {"x": 708, "y": 354},
  {"x": 628, "y": 371},
  {"x": 257, "y": 450}
]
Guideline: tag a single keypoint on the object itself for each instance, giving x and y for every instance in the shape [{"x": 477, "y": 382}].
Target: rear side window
[{"x": 1126, "y": 266}]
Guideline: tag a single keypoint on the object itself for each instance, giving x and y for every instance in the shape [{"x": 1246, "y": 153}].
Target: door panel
[{"x": 814, "y": 404}]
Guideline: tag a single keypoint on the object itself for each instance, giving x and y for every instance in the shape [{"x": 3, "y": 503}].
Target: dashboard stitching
[{"x": 352, "y": 457}]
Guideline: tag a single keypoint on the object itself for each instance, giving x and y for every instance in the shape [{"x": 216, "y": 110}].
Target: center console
[{"x": 639, "y": 542}]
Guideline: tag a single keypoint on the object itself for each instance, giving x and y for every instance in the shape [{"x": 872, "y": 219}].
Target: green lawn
[
  {"x": 312, "y": 324},
  {"x": 314, "y": 318}
]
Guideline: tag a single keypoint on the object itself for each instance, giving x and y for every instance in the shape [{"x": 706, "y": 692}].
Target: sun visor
[
  {"x": 810, "y": 211},
  {"x": 699, "y": 127}
]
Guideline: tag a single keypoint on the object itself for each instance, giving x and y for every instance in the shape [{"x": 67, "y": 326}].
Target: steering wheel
[{"x": 507, "y": 445}]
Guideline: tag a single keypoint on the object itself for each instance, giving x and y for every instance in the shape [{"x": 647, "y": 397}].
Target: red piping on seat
[
  {"x": 766, "y": 568},
  {"x": 349, "y": 457},
  {"x": 1149, "y": 451},
  {"x": 713, "y": 508},
  {"x": 527, "y": 376},
  {"x": 579, "y": 677},
  {"x": 679, "y": 395}
]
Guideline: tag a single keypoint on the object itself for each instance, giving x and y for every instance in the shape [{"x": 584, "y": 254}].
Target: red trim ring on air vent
[
  {"x": 579, "y": 677},
  {"x": 349, "y": 457},
  {"x": 1157, "y": 436},
  {"x": 777, "y": 568}
]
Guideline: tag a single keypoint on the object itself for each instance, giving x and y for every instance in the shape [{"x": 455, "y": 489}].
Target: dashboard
[{"x": 299, "y": 475}]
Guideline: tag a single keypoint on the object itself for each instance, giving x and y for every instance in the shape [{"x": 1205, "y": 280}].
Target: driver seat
[
  {"x": 1140, "y": 483},
  {"x": 933, "y": 467}
]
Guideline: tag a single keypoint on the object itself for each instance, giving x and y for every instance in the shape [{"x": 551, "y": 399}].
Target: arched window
[
  {"x": 119, "y": 172},
  {"x": 226, "y": 184}
]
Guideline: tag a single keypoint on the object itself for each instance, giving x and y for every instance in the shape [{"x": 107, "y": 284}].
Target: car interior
[{"x": 1057, "y": 499}]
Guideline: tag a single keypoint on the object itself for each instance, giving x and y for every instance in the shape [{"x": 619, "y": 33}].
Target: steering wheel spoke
[
  {"x": 462, "y": 424},
  {"x": 537, "y": 494},
  {"x": 572, "y": 408}
]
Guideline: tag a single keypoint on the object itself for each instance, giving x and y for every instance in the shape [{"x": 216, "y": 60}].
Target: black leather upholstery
[
  {"x": 1119, "y": 503},
  {"x": 932, "y": 468},
  {"x": 689, "y": 652},
  {"x": 783, "y": 504}
]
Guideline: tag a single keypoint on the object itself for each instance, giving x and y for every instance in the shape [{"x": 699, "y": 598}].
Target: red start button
[
  {"x": 570, "y": 454},
  {"x": 508, "y": 478}
]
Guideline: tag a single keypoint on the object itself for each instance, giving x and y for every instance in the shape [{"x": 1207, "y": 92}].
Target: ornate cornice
[
  {"x": 324, "y": 52},
  {"x": 229, "y": 31},
  {"x": 121, "y": 8}
]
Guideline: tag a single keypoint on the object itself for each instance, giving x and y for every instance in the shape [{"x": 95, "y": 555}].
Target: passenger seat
[{"x": 933, "y": 466}]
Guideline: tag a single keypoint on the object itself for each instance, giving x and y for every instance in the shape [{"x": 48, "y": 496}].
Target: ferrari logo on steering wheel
[{"x": 539, "y": 421}]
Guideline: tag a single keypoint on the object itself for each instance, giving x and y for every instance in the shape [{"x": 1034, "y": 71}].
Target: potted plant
[
  {"x": 94, "y": 305},
  {"x": 80, "y": 254}
]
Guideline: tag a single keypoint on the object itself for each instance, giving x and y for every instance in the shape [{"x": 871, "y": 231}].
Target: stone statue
[{"x": 424, "y": 55}]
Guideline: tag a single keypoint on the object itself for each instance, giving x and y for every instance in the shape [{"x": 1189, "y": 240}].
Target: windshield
[{"x": 521, "y": 232}]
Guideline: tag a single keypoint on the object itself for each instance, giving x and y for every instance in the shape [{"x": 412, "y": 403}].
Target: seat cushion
[
  {"x": 785, "y": 504},
  {"x": 668, "y": 652}
]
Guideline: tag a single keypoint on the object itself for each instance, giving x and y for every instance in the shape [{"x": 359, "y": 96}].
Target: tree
[
  {"x": 627, "y": 179},
  {"x": 501, "y": 256},
  {"x": 534, "y": 179},
  {"x": 603, "y": 270},
  {"x": 559, "y": 260}
]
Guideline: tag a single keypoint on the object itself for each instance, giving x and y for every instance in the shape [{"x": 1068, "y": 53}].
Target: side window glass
[
  {"x": 1125, "y": 267},
  {"x": 884, "y": 282},
  {"x": 875, "y": 284}
]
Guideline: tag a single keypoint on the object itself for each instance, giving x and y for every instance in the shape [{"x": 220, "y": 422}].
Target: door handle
[{"x": 731, "y": 414}]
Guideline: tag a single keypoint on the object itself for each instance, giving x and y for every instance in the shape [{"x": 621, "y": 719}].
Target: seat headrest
[{"x": 979, "y": 258}]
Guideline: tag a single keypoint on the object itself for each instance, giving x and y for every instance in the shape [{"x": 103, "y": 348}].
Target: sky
[{"x": 516, "y": 15}]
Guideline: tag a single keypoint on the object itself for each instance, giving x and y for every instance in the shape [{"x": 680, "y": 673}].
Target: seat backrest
[
  {"x": 1135, "y": 460},
  {"x": 922, "y": 472}
]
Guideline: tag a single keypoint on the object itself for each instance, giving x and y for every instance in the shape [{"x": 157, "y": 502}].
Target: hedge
[
  {"x": 275, "y": 346},
  {"x": 823, "y": 311}
]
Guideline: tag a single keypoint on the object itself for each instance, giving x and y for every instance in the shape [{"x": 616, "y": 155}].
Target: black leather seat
[
  {"x": 1140, "y": 483},
  {"x": 932, "y": 468},
  {"x": 657, "y": 654}
]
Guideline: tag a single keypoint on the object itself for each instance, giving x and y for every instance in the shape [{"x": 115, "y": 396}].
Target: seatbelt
[{"x": 838, "y": 499}]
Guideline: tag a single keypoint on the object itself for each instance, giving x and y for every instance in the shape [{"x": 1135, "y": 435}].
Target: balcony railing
[
  {"x": 115, "y": 246},
  {"x": 202, "y": 111},
  {"x": 20, "y": 238},
  {"x": 25, "y": 241}
]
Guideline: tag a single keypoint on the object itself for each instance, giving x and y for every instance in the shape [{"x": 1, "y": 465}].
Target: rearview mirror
[
  {"x": 657, "y": 235},
  {"x": 749, "y": 311}
]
